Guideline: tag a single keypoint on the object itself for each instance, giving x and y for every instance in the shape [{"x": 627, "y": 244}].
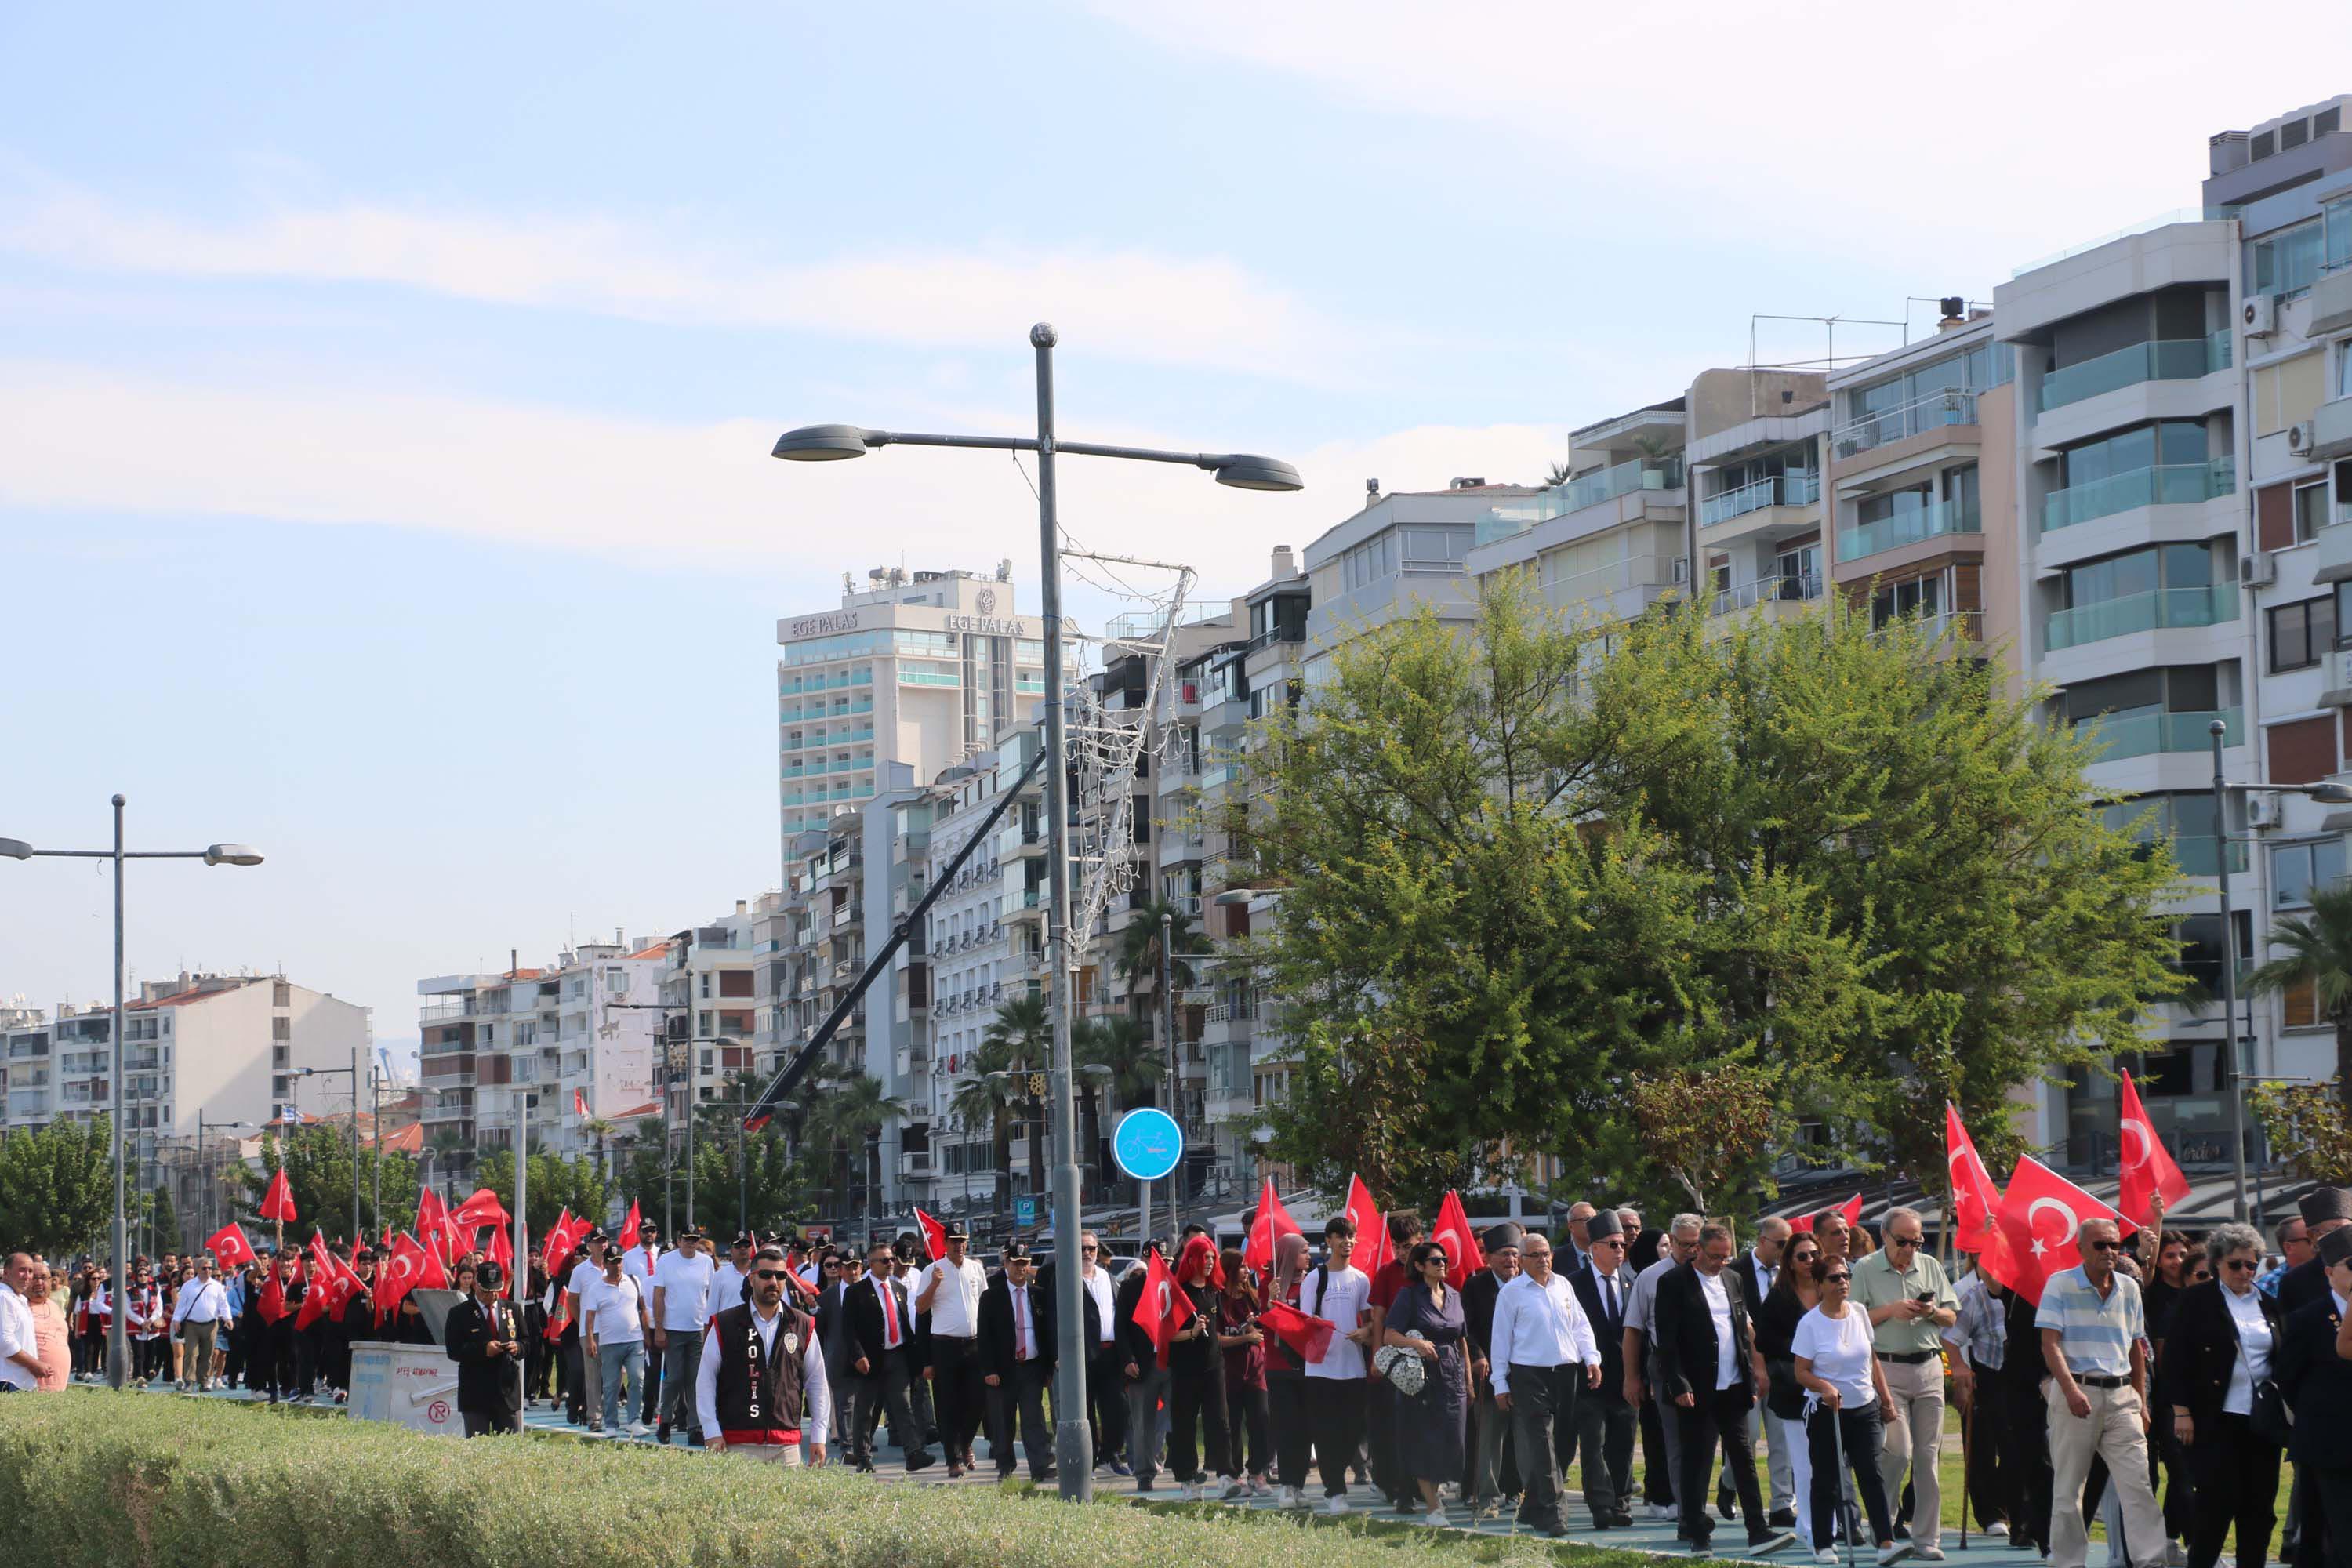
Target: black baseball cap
[
  {"x": 488, "y": 1275},
  {"x": 954, "y": 1231},
  {"x": 1015, "y": 1251},
  {"x": 613, "y": 1253}
]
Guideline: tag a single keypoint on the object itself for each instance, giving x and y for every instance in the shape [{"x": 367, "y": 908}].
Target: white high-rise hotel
[{"x": 918, "y": 669}]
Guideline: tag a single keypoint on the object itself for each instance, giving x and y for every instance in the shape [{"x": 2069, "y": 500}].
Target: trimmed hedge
[{"x": 99, "y": 1479}]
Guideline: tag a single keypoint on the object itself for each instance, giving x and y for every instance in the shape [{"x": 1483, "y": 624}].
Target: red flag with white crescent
[
  {"x": 277, "y": 1204},
  {"x": 2035, "y": 1230},
  {"x": 1464, "y": 1256},
  {"x": 935, "y": 1235},
  {"x": 1371, "y": 1231},
  {"x": 1975, "y": 1198},
  {"x": 229, "y": 1246},
  {"x": 1273, "y": 1223},
  {"x": 2147, "y": 1169}
]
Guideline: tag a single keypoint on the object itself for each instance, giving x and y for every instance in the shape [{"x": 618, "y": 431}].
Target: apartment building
[
  {"x": 495, "y": 1046},
  {"x": 710, "y": 1002},
  {"x": 1611, "y": 541},
  {"x": 1754, "y": 453},
  {"x": 922, "y": 670},
  {"x": 230, "y": 1048}
]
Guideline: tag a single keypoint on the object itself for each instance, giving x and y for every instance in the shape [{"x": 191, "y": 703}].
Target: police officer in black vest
[
  {"x": 761, "y": 1386},
  {"x": 484, "y": 1336}
]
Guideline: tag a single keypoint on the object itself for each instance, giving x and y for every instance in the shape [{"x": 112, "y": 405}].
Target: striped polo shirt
[{"x": 2095, "y": 1336}]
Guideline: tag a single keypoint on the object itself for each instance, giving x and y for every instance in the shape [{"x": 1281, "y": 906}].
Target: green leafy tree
[
  {"x": 56, "y": 1185},
  {"x": 1136, "y": 959},
  {"x": 1016, "y": 1041},
  {"x": 2306, "y": 1126},
  {"x": 1133, "y": 1066},
  {"x": 163, "y": 1220},
  {"x": 1694, "y": 1123},
  {"x": 1525, "y": 868},
  {"x": 556, "y": 1184},
  {"x": 2316, "y": 952},
  {"x": 317, "y": 1163}
]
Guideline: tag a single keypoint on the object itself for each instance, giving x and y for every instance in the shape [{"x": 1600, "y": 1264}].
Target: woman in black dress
[{"x": 1426, "y": 1319}]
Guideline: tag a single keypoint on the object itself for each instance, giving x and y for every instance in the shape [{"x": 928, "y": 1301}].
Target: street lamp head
[
  {"x": 1245, "y": 471},
  {"x": 824, "y": 443},
  {"x": 232, "y": 854},
  {"x": 16, "y": 848},
  {"x": 2331, "y": 794}
]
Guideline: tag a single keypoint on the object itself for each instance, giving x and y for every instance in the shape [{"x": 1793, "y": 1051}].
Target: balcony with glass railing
[
  {"x": 2166, "y": 484},
  {"x": 1794, "y": 588},
  {"x": 1774, "y": 489},
  {"x": 1910, "y": 527},
  {"x": 1589, "y": 490},
  {"x": 2198, "y": 854},
  {"x": 2145, "y": 734},
  {"x": 2158, "y": 609},
  {"x": 1934, "y": 411},
  {"x": 2169, "y": 359}
]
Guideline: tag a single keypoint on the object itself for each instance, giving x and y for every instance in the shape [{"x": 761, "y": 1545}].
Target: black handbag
[{"x": 2270, "y": 1420}]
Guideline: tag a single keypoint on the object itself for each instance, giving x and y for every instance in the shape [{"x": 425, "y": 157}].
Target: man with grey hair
[
  {"x": 1580, "y": 1249},
  {"x": 1642, "y": 1375},
  {"x": 1910, "y": 1303},
  {"x": 1759, "y": 1269},
  {"x": 2094, "y": 1341}
]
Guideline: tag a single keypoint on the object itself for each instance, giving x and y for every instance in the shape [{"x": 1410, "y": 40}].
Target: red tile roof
[{"x": 651, "y": 1108}]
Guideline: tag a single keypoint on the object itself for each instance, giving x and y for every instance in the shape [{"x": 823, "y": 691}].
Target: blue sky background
[{"x": 385, "y": 399}]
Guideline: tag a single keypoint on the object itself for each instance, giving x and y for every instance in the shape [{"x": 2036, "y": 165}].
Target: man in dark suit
[
  {"x": 1759, "y": 1268},
  {"x": 1017, "y": 1359},
  {"x": 1604, "y": 1422},
  {"x": 2317, "y": 1382},
  {"x": 484, "y": 1337},
  {"x": 2324, "y": 1211},
  {"x": 1705, "y": 1352},
  {"x": 876, "y": 1325},
  {"x": 1491, "y": 1435}
]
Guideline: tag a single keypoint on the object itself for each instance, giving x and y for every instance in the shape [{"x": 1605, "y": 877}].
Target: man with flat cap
[
  {"x": 484, "y": 1337},
  {"x": 1493, "y": 1435},
  {"x": 2325, "y": 1210},
  {"x": 1605, "y": 1424}
]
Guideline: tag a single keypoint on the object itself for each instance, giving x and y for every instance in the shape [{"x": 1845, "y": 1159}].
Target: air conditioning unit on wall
[
  {"x": 2258, "y": 570},
  {"x": 2261, "y": 810},
  {"x": 2298, "y": 438},
  {"x": 2259, "y": 316}
]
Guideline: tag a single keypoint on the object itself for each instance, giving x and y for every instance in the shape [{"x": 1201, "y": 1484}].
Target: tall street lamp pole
[
  {"x": 118, "y": 1341},
  {"x": 2334, "y": 793},
  {"x": 1073, "y": 1441}
]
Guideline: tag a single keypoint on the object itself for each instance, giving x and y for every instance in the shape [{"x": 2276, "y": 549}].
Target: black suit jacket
[
  {"x": 830, "y": 1304},
  {"x": 1751, "y": 1283},
  {"x": 996, "y": 1348},
  {"x": 485, "y": 1383},
  {"x": 2200, "y": 1353},
  {"x": 1610, "y": 1332},
  {"x": 2302, "y": 1285},
  {"x": 2317, "y": 1383},
  {"x": 862, "y": 1321},
  {"x": 1478, "y": 1311},
  {"x": 1685, "y": 1333}
]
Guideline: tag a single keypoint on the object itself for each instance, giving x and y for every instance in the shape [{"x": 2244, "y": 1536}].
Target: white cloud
[
  {"x": 1125, "y": 303},
  {"x": 76, "y": 439}
]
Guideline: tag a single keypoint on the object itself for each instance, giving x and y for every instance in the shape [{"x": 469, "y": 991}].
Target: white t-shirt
[
  {"x": 1339, "y": 1297},
  {"x": 685, "y": 1286},
  {"x": 584, "y": 1278},
  {"x": 612, "y": 1311},
  {"x": 955, "y": 1306},
  {"x": 1718, "y": 1307},
  {"x": 15, "y": 1338},
  {"x": 727, "y": 1290},
  {"x": 1839, "y": 1349}
]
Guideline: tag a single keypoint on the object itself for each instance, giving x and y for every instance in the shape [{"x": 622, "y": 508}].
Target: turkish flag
[
  {"x": 1372, "y": 1232},
  {"x": 629, "y": 1226},
  {"x": 1272, "y": 1223},
  {"x": 272, "y": 1305},
  {"x": 1850, "y": 1210},
  {"x": 2148, "y": 1173},
  {"x": 399, "y": 1275},
  {"x": 483, "y": 1208},
  {"x": 277, "y": 1204},
  {"x": 430, "y": 1213},
  {"x": 2034, "y": 1231},
  {"x": 579, "y": 1105},
  {"x": 321, "y": 1299},
  {"x": 430, "y": 1274},
  {"x": 935, "y": 1235},
  {"x": 1464, "y": 1256},
  {"x": 1975, "y": 1198},
  {"x": 1162, "y": 1308},
  {"x": 502, "y": 1249},
  {"x": 1310, "y": 1337},
  {"x": 229, "y": 1246}
]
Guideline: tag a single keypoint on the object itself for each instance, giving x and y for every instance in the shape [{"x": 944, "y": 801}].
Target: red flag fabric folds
[
  {"x": 277, "y": 1204},
  {"x": 1975, "y": 1198},
  {"x": 630, "y": 1227},
  {"x": 1850, "y": 1210},
  {"x": 2148, "y": 1171},
  {"x": 1310, "y": 1337},
  {"x": 1464, "y": 1256},
  {"x": 2034, "y": 1231},
  {"x": 1272, "y": 1223},
  {"x": 398, "y": 1274},
  {"x": 1162, "y": 1308},
  {"x": 483, "y": 1208},
  {"x": 1371, "y": 1231},
  {"x": 935, "y": 1235},
  {"x": 272, "y": 1304},
  {"x": 229, "y": 1246}
]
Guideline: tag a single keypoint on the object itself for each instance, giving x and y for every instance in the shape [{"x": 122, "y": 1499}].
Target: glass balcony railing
[
  {"x": 2171, "y": 359},
  {"x": 1795, "y": 587},
  {"x": 2196, "y": 855},
  {"x": 1590, "y": 489},
  {"x": 2144, "y": 734},
  {"x": 1776, "y": 489},
  {"x": 1954, "y": 406},
  {"x": 2158, "y": 609},
  {"x": 2168, "y": 484},
  {"x": 1910, "y": 527}
]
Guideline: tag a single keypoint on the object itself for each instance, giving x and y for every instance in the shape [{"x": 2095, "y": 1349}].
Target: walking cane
[
  {"x": 1837, "y": 1433},
  {"x": 1967, "y": 1410}
]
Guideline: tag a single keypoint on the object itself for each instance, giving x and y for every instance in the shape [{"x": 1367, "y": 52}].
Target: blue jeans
[{"x": 614, "y": 1357}]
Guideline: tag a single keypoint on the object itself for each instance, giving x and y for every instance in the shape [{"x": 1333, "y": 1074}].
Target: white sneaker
[
  {"x": 1233, "y": 1489},
  {"x": 1189, "y": 1494},
  {"x": 1335, "y": 1505},
  {"x": 1997, "y": 1528},
  {"x": 1935, "y": 1554},
  {"x": 1435, "y": 1518},
  {"x": 1657, "y": 1510},
  {"x": 1895, "y": 1553},
  {"x": 1827, "y": 1555},
  {"x": 1287, "y": 1497},
  {"x": 639, "y": 1429}
]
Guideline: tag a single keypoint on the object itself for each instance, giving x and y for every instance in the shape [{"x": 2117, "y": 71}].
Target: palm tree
[
  {"x": 847, "y": 1110},
  {"x": 599, "y": 1129},
  {"x": 2317, "y": 952},
  {"x": 1137, "y": 958},
  {"x": 1134, "y": 1060},
  {"x": 1022, "y": 1034},
  {"x": 442, "y": 1152},
  {"x": 1556, "y": 475}
]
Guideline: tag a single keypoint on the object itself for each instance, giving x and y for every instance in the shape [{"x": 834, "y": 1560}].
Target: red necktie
[{"x": 889, "y": 1315}]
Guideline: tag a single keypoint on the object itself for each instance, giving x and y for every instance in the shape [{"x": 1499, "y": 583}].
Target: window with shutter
[{"x": 2302, "y": 752}]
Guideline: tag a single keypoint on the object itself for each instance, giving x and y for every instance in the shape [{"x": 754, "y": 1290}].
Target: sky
[{"x": 385, "y": 395}]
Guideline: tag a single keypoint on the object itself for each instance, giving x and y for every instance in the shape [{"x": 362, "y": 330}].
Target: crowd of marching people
[{"x": 1788, "y": 1380}]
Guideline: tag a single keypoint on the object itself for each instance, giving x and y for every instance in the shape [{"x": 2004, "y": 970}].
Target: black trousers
[
  {"x": 1859, "y": 1430},
  {"x": 1657, "y": 1479},
  {"x": 488, "y": 1423},
  {"x": 956, "y": 1384},
  {"x": 1604, "y": 1443},
  {"x": 1543, "y": 1412},
  {"x": 1196, "y": 1410},
  {"x": 884, "y": 1389},
  {"x": 1380, "y": 1444},
  {"x": 578, "y": 1400},
  {"x": 1992, "y": 1474},
  {"x": 1106, "y": 1402},
  {"x": 1021, "y": 1395},
  {"x": 1335, "y": 1407},
  {"x": 650, "y": 1405},
  {"x": 2027, "y": 1438},
  {"x": 1711, "y": 1414},
  {"x": 2327, "y": 1516},
  {"x": 1285, "y": 1410},
  {"x": 1245, "y": 1418},
  {"x": 2235, "y": 1475}
]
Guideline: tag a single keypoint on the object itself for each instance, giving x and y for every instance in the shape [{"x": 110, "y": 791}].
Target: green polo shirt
[{"x": 1877, "y": 1284}]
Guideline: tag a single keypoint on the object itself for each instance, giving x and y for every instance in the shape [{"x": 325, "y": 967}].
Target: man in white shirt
[
  {"x": 1340, "y": 1295},
  {"x": 759, "y": 1388},
  {"x": 201, "y": 1316},
  {"x": 682, "y": 1306},
  {"x": 731, "y": 1277},
  {"x": 1641, "y": 1370},
  {"x": 1106, "y": 1374},
  {"x": 639, "y": 1263},
  {"x": 584, "y": 1278},
  {"x": 1542, "y": 1352},
  {"x": 20, "y": 1356},
  {"x": 613, "y": 1335},
  {"x": 1707, "y": 1383},
  {"x": 950, "y": 1293}
]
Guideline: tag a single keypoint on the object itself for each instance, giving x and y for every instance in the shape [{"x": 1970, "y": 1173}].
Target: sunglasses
[
  {"x": 771, "y": 1274},
  {"x": 832, "y": 1267},
  {"x": 1089, "y": 1249},
  {"x": 2238, "y": 1265},
  {"x": 1835, "y": 1278},
  {"x": 2101, "y": 1245},
  {"x": 1902, "y": 1241}
]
